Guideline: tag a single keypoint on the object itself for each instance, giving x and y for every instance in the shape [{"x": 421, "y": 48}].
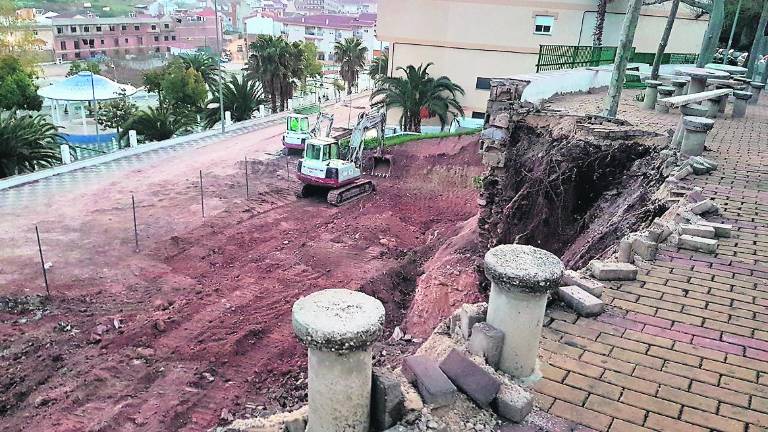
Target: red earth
[{"x": 196, "y": 328}]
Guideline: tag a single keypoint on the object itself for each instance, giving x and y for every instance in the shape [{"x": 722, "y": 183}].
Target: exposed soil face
[
  {"x": 569, "y": 192},
  {"x": 197, "y": 329}
]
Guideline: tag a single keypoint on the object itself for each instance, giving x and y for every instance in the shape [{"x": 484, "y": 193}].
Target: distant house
[
  {"x": 324, "y": 30},
  {"x": 473, "y": 41}
]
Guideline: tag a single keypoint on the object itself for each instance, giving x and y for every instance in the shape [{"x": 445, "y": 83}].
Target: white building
[{"x": 324, "y": 30}]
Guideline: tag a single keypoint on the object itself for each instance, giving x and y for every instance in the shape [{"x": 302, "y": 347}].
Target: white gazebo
[{"x": 82, "y": 88}]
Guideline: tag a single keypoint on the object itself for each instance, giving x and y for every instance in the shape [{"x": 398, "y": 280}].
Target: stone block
[
  {"x": 697, "y": 230},
  {"x": 487, "y": 341},
  {"x": 472, "y": 379},
  {"x": 472, "y": 314},
  {"x": 624, "y": 253},
  {"x": 699, "y": 244},
  {"x": 433, "y": 385},
  {"x": 645, "y": 248},
  {"x": 584, "y": 303},
  {"x": 513, "y": 403},
  {"x": 721, "y": 230},
  {"x": 589, "y": 285},
  {"x": 612, "y": 271},
  {"x": 297, "y": 422},
  {"x": 702, "y": 207},
  {"x": 665, "y": 229},
  {"x": 387, "y": 400}
]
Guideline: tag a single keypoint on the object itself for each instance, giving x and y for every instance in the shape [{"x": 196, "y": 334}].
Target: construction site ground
[{"x": 195, "y": 328}]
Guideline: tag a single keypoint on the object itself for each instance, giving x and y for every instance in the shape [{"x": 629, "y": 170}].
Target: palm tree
[
  {"x": 204, "y": 64},
  {"x": 379, "y": 67},
  {"x": 27, "y": 142},
  {"x": 264, "y": 65},
  {"x": 242, "y": 98},
  {"x": 350, "y": 54},
  {"x": 161, "y": 123},
  {"x": 419, "y": 93}
]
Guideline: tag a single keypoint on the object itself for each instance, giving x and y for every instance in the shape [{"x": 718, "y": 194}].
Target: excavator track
[{"x": 351, "y": 192}]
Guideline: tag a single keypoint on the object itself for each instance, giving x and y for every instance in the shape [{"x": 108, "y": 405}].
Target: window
[
  {"x": 478, "y": 115},
  {"x": 63, "y": 45},
  {"x": 137, "y": 27},
  {"x": 77, "y": 44},
  {"x": 117, "y": 42},
  {"x": 173, "y": 37},
  {"x": 154, "y": 27},
  {"x": 126, "y": 40},
  {"x": 59, "y": 30},
  {"x": 77, "y": 54},
  {"x": 34, "y": 32},
  {"x": 157, "y": 38},
  {"x": 321, "y": 55},
  {"x": 157, "y": 49},
  {"x": 140, "y": 40},
  {"x": 165, "y": 38},
  {"x": 111, "y": 28},
  {"x": 168, "y": 49},
  {"x": 86, "y": 29},
  {"x": 543, "y": 24},
  {"x": 64, "y": 56},
  {"x": 98, "y": 28},
  {"x": 483, "y": 83},
  {"x": 101, "y": 41},
  {"x": 124, "y": 27},
  {"x": 166, "y": 26},
  {"x": 73, "y": 29}
]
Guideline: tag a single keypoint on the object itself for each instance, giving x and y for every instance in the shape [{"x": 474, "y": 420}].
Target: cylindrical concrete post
[
  {"x": 521, "y": 277},
  {"x": 756, "y": 88},
  {"x": 133, "y": 140},
  {"x": 650, "y": 94},
  {"x": 338, "y": 327},
  {"x": 228, "y": 117},
  {"x": 723, "y": 100},
  {"x": 679, "y": 85},
  {"x": 262, "y": 111},
  {"x": 694, "y": 110},
  {"x": 664, "y": 92},
  {"x": 696, "y": 129},
  {"x": 713, "y": 107},
  {"x": 741, "y": 99},
  {"x": 697, "y": 85},
  {"x": 66, "y": 156}
]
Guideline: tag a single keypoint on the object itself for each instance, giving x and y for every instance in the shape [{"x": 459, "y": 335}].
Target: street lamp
[{"x": 221, "y": 75}]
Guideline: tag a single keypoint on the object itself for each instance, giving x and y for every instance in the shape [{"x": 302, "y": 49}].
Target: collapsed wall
[{"x": 572, "y": 185}]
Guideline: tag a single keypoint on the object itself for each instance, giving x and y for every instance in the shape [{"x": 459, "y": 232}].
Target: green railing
[{"x": 557, "y": 57}]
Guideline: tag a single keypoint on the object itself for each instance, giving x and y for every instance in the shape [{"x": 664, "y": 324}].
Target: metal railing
[{"x": 557, "y": 57}]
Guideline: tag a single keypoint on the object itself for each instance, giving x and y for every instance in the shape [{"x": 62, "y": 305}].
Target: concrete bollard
[
  {"x": 756, "y": 88},
  {"x": 679, "y": 85},
  {"x": 651, "y": 94},
  {"x": 66, "y": 156},
  {"x": 664, "y": 92},
  {"x": 338, "y": 327},
  {"x": 227, "y": 118},
  {"x": 695, "y": 136},
  {"x": 713, "y": 107},
  {"x": 133, "y": 140},
  {"x": 694, "y": 110},
  {"x": 521, "y": 279},
  {"x": 742, "y": 98},
  {"x": 723, "y": 100},
  {"x": 262, "y": 111}
]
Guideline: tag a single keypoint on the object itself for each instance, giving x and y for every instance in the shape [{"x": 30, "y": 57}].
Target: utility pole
[
  {"x": 221, "y": 75},
  {"x": 665, "y": 39},
  {"x": 712, "y": 35},
  {"x": 622, "y": 58},
  {"x": 754, "y": 53},
  {"x": 733, "y": 30}
]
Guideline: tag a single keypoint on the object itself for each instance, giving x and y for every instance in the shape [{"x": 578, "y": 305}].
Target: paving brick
[
  {"x": 693, "y": 373},
  {"x": 745, "y": 341},
  {"x": 615, "y": 409},
  {"x": 667, "y": 334},
  {"x": 434, "y": 387},
  {"x": 696, "y": 315},
  {"x": 651, "y": 403},
  {"x": 666, "y": 424},
  {"x": 552, "y": 373},
  {"x": 759, "y": 404},
  {"x": 575, "y": 365},
  {"x": 747, "y": 363},
  {"x": 470, "y": 378},
  {"x": 575, "y": 330},
  {"x": 648, "y": 339},
  {"x": 744, "y": 415},
  {"x": 697, "y": 230},
  {"x": 696, "y": 330},
  {"x": 718, "y": 345},
  {"x": 622, "y": 342},
  {"x": 756, "y": 354},
  {"x": 633, "y": 383},
  {"x": 688, "y": 399},
  {"x": 486, "y": 341},
  {"x": 559, "y": 348},
  {"x": 662, "y": 378},
  {"x": 607, "y": 362},
  {"x": 543, "y": 401},
  {"x": 709, "y": 420},
  {"x": 637, "y": 358},
  {"x": 387, "y": 399},
  {"x": 602, "y": 327},
  {"x": 698, "y": 244},
  {"x": 698, "y": 351},
  {"x": 593, "y": 386},
  {"x": 581, "y": 415},
  {"x": 586, "y": 283},
  {"x": 720, "y": 394},
  {"x": 622, "y": 426},
  {"x": 586, "y": 344},
  {"x": 513, "y": 403},
  {"x": 674, "y": 356},
  {"x": 584, "y": 303},
  {"x": 681, "y": 317},
  {"x": 620, "y": 322},
  {"x": 631, "y": 305},
  {"x": 728, "y": 328},
  {"x": 603, "y": 270},
  {"x": 650, "y": 320},
  {"x": 744, "y": 386},
  {"x": 730, "y": 370},
  {"x": 560, "y": 391}
]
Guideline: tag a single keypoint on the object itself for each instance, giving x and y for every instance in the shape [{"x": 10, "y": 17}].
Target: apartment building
[
  {"x": 473, "y": 41},
  {"x": 86, "y": 37}
]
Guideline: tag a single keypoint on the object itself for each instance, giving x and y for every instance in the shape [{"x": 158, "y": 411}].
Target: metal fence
[{"x": 557, "y": 57}]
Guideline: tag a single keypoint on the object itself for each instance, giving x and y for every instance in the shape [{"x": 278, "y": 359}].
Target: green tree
[
  {"x": 115, "y": 113},
  {"x": 27, "y": 143},
  {"x": 79, "y": 66},
  {"x": 350, "y": 54},
  {"x": 338, "y": 87},
  {"x": 204, "y": 64},
  {"x": 184, "y": 89},
  {"x": 379, "y": 67},
  {"x": 242, "y": 98},
  {"x": 312, "y": 67},
  {"x": 418, "y": 91},
  {"x": 161, "y": 123},
  {"x": 278, "y": 65},
  {"x": 17, "y": 87}
]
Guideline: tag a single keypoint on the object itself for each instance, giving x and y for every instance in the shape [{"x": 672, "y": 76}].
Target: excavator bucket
[{"x": 382, "y": 166}]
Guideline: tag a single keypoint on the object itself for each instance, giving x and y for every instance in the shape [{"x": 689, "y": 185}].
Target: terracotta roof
[{"x": 346, "y": 22}]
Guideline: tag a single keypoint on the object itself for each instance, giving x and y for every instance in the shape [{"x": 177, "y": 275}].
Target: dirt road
[{"x": 196, "y": 328}]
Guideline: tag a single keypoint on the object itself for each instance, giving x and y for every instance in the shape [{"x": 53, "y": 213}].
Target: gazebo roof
[{"x": 85, "y": 86}]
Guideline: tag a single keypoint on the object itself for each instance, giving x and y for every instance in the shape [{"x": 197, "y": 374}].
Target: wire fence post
[
  {"x": 287, "y": 171},
  {"x": 42, "y": 262},
  {"x": 246, "y": 179},
  {"x": 135, "y": 227},
  {"x": 202, "y": 200}
]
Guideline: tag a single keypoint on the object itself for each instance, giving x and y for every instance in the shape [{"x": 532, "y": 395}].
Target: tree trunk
[
  {"x": 597, "y": 35},
  {"x": 622, "y": 57},
  {"x": 664, "y": 39},
  {"x": 712, "y": 35},
  {"x": 755, "y": 52},
  {"x": 273, "y": 95}
]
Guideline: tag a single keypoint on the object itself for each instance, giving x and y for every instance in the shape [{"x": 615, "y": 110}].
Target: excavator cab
[{"x": 297, "y": 131}]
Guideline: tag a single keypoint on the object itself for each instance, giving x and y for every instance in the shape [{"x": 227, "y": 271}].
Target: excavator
[
  {"x": 298, "y": 130},
  {"x": 324, "y": 168}
]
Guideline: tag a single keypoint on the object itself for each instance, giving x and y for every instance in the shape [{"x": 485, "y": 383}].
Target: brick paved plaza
[{"x": 685, "y": 346}]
